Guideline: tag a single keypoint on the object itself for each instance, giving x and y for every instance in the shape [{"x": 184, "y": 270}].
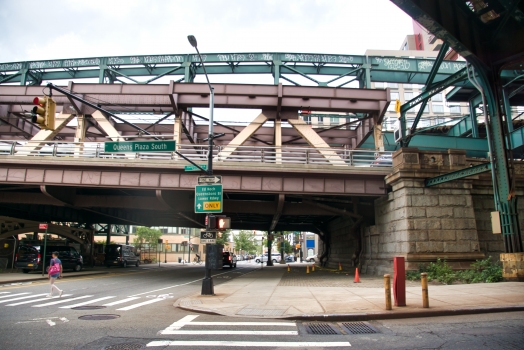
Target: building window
[
  {"x": 335, "y": 120},
  {"x": 184, "y": 231},
  {"x": 438, "y": 108},
  {"x": 163, "y": 230},
  {"x": 393, "y": 85},
  {"x": 379, "y": 85},
  {"x": 407, "y": 86},
  {"x": 408, "y": 96},
  {"x": 394, "y": 96},
  {"x": 454, "y": 109},
  {"x": 307, "y": 119},
  {"x": 437, "y": 98}
]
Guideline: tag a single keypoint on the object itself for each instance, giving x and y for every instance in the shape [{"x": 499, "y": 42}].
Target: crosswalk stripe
[
  {"x": 5, "y": 292},
  {"x": 281, "y": 324},
  {"x": 121, "y": 301},
  {"x": 20, "y": 298},
  {"x": 12, "y": 295},
  {"x": 201, "y": 332},
  {"x": 35, "y": 300},
  {"x": 221, "y": 344},
  {"x": 61, "y": 301},
  {"x": 134, "y": 306},
  {"x": 85, "y": 303}
]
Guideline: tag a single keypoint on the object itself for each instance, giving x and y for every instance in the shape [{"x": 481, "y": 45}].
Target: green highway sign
[
  {"x": 194, "y": 168},
  {"x": 140, "y": 146},
  {"x": 208, "y": 199}
]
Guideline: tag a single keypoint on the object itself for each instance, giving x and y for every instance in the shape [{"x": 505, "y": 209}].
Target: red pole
[{"x": 399, "y": 281}]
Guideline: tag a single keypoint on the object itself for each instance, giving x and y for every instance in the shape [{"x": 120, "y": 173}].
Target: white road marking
[
  {"x": 51, "y": 323},
  {"x": 251, "y": 344},
  {"x": 47, "y": 320},
  {"x": 134, "y": 306},
  {"x": 201, "y": 332},
  {"x": 20, "y": 298},
  {"x": 180, "y": 323},
  {"x": 281, "y": 324},
  {"x": 61, "y": 301},
  {"x": 5, "y": 292},
  {"x": 35, "y": 300},
  {"x": 12, "y": 295},
  {"x": 121, "y": 301},
  {"x": 177, "y": 285},
  {"x": 85, "y": 302}
]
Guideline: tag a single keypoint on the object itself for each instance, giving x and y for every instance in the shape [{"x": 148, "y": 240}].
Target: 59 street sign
[
  {"x": 140, "y": 146},
  {"x": 208, "y": 199}
]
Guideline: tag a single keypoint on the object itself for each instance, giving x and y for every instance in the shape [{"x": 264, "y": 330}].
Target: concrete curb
[
  {"x": 368, "y": 316},
  {"x": 40, "y": 278}
]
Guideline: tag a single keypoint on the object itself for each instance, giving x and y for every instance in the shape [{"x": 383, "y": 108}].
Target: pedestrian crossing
[
  {"x": 69, "y": 301},
  {"x": 280, "y": 334}
]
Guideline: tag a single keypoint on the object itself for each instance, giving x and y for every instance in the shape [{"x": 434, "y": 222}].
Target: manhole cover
[
  {"x": 359, "y": 328},
  {"x": 125, "y": 346},
  {"x": 321, "y": 328},
  {"x": 91, "y": 307},
  {"x": 99, "y": 317}
]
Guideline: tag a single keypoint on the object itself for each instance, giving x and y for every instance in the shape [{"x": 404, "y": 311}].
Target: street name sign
[
  {"x": 194, "y": 168},
  {"x": 208, "y": 199},
  {"x": 208, "y": 237},
  {"x": 209, "y": 179},
  {"x": 42, "y": 226},
  {"x": 140, "y": 146}
]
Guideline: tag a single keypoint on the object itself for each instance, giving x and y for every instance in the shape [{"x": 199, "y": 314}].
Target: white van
[{"x": 263, "y": 258}]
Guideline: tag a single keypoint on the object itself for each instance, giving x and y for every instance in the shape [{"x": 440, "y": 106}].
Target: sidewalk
[{"x": 272, "y": 292}]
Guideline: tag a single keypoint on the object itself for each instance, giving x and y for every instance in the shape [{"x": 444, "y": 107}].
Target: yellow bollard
[
  {"x": 307, "y": 269},
  {"x": 387, "y": 287},
  {"x": 339, "y": 267},
  {"x": 425, "y": 295},
  {"x": 313, "y": 268},
  {"x": 288, "y": 268}
]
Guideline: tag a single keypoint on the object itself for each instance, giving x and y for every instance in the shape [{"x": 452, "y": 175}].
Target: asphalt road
[{"x": 142, "y": 299}]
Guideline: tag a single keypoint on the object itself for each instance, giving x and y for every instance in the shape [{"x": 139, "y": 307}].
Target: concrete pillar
[{"x": 278, "y": 141}]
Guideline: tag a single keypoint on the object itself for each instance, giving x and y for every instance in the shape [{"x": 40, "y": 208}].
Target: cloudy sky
[{"x": 37, "y": 30}]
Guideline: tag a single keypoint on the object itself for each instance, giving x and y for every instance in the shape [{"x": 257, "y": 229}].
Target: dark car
[
  {"x": 290, "y": 258},
  {"x": 29, "y": 257},
  {"x": 229, "y": 259},
  {"x": 121, "y": 255}
]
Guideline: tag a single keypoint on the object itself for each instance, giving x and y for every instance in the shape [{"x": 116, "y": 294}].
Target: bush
[{"x": 441, "y": 272}]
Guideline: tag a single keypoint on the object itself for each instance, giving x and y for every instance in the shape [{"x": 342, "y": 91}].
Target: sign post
[{"x": 43, "y": 227}]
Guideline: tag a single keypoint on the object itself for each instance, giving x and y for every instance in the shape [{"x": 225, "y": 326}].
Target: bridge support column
[{"x": 80, "y": 134}]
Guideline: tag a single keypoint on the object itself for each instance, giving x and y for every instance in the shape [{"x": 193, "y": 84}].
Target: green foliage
[
  {"x": 146, "y": 235},
  {"x": 223, "y": 238},
  {"x": 288, "y": 248},
  {"x": 486, "y": 271},
  {"x": 245, "y": 241}
]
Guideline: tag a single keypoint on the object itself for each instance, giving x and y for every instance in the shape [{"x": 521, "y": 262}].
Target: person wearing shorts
[{"x": 53, "y": 277}]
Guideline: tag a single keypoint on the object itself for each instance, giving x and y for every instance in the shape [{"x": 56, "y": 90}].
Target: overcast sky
[{"x": 57, "y": 29}]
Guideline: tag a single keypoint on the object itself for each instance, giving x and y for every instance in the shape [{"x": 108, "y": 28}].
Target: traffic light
[
  {"x": 218, "y": 222},
  {"x": 44, "y": 112}
]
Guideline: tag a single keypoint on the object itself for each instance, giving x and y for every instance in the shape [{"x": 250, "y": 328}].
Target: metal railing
[{"x": 198, "y": 154}]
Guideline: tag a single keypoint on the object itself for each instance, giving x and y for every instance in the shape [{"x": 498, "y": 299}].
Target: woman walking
[{"x": 55, "y": 271}]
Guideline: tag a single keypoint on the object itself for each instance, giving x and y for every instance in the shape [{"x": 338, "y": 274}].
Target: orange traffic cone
[
  {"x": 313, "y": 268},
  {"x": 307, "y": 269},
  {"x": 288, "y": 268},
  {"x": 339, "y": 267},
  {"x": 357, "y": 277}
]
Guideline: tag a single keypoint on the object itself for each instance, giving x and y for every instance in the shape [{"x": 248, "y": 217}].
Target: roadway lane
[{"x": 142, "y": 298}]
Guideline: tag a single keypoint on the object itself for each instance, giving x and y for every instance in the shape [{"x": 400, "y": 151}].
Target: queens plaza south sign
[
  {"x": 208, "y": 199},
  {"x": 140, "y": 146}
]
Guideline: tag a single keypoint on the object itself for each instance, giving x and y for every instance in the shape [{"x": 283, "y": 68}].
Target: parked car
[
  {"x": 229, "y": 259},
  {"x": 275, "y": 257},
  {"x": 29, "y": 257},
  {"x": 121, "y": 255},
  {"x": 290, "y": 258},
  {"x": 311, "y": 258}
]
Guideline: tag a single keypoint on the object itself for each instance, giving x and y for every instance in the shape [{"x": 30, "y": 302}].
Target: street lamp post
[{"x": 207, "y": 282}]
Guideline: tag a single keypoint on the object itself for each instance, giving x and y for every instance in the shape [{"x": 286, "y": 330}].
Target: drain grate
[
  {"x": 88, "y": 307},
  {"x": 98, "y": 317},
  {"x": 125, "y": 346},
  {"x": 359, "y": 328},
  {"x": 321, "y": 328}
]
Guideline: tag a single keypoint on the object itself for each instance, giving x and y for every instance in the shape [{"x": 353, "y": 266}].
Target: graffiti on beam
[
  {"x": 394, "y": 63},
  {"x": 317, "y": 58},
  {"x": 426, "y": 65},
  {"x": 195, "y": 58},
  {"x": 82, "y": 62},
  {"x": 11, "y": 66},
  {"x": 156, "y": 59},
  {"x": 44, "y": 64}
]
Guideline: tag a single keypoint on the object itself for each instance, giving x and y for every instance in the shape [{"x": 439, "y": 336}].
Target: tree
[
  {"x": 223, "y": 239},
  {"x": 287, "y": 246},
  {"x": 245, "y": 241},
  {"x": 146, "y": 235}
]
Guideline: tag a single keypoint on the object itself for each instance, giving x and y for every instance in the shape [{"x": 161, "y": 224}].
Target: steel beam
[{"x": 459, "y": 174}]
